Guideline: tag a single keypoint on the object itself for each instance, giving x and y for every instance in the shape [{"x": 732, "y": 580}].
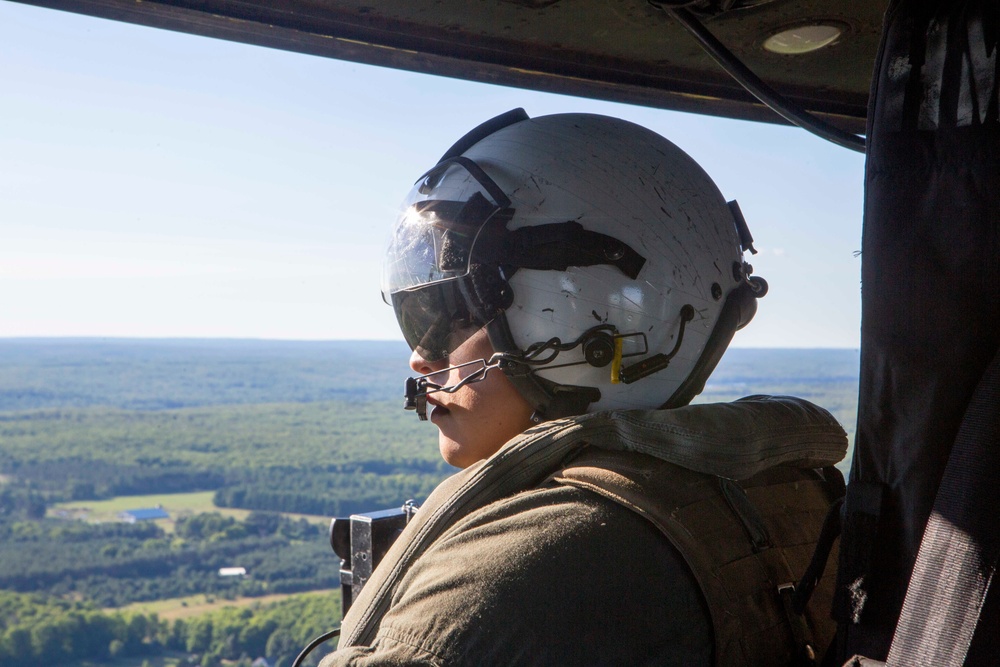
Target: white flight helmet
[{"x": 603, "y": 261}]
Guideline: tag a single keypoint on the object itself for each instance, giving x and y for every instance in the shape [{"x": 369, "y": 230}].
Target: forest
[
  {"x": 268, "y": 429},
  {"x": 114, "y": 564},
  {"x": 45, "y": 630}
]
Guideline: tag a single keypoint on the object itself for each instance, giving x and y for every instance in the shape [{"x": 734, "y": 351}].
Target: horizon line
[{"x": 251, "y": 339}]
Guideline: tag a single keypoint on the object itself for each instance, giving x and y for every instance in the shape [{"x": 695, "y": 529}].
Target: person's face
[{"x": 479, "y": 418}]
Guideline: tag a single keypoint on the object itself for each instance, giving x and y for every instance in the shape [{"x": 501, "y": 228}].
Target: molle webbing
[{"x": 739, "y": 555}]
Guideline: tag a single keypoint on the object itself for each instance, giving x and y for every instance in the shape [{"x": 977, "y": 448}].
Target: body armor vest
[{"x": 746, "y": 543}]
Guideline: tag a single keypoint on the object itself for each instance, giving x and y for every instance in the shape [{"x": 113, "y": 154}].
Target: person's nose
[{"x": 424, "y": 367}]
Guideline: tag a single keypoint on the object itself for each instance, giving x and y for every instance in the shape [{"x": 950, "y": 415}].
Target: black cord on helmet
[
  {"x": 603, "y": 334},
  {"x": 326, "y": 636},
  {"x": 555, "y": 345},
  {"x": 737, "y": 311},
  {"x": 658, "y": 362}
]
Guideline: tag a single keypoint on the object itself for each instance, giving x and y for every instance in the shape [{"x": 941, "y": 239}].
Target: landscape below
[{"x": 248, "y": 448}]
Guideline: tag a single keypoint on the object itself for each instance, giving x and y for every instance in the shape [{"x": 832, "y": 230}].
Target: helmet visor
[
  {"x": 435, "y": 319},
  {"x": 426, "y": 275},
  {"x": 433, "y": 238}
]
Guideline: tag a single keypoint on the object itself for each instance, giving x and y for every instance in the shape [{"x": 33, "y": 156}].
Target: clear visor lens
[{"x": 433, "y": 237}]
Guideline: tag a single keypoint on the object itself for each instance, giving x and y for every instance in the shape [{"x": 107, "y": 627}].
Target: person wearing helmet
[{"x": 567, "y": 284}]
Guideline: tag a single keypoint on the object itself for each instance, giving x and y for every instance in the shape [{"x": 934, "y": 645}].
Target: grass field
[
  {"x": 196, "y": 605},
  {"x": 178, "y": 505}
]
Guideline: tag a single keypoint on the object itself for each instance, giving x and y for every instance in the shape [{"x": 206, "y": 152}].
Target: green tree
[
  {"x": 254, "y": 635},
  {"x": 199, "y": 635},
  {"x": 281, "y": 643},
  {"x": 178, "y": 636},
  {"x": 17, "y": 644},
  {"x": 48, "y": 643},
  {"x": 136, "y": 628}
]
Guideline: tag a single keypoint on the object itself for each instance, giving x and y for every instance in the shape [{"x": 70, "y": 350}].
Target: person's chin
[{"x": 452, "y": 452}]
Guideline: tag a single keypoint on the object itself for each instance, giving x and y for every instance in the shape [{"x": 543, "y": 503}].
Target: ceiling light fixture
[{"x": 803, "y": 39}]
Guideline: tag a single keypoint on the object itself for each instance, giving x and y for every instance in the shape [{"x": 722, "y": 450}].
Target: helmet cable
[
  {"x": 779, "y": 104},
  {"x": 325, "y": 637},
  {"x": 658, "y": 362}
]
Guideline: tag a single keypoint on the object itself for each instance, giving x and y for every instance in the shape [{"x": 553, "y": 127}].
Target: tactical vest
[
  {"x": 746, "y": 543},
  {"x": 678, "y": 468}
]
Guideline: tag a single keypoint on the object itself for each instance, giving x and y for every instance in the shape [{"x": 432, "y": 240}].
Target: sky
[{"x": 155, "y": 184}]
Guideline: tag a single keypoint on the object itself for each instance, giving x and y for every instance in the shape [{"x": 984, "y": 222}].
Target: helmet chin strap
[{"x": 550, "y": 400}]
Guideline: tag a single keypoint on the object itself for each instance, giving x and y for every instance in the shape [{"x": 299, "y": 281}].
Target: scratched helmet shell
[{"x": 602, "y": 259}]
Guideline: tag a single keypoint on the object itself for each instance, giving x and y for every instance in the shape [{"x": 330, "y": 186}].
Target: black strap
[
  {"x": 832, "y": 525},
  {"x": 557, "y": 246},
  {"x": 958, "y": 553},
  {"x": 483, "y": 130}
]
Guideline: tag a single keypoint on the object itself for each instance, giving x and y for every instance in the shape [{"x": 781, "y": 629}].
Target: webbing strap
[{"x": 958, "y": 553}]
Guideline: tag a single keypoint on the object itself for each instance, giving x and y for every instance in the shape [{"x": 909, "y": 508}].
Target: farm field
[
  {"x": 198, "y": 605},
  {"x": 178, "y": 505}
]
